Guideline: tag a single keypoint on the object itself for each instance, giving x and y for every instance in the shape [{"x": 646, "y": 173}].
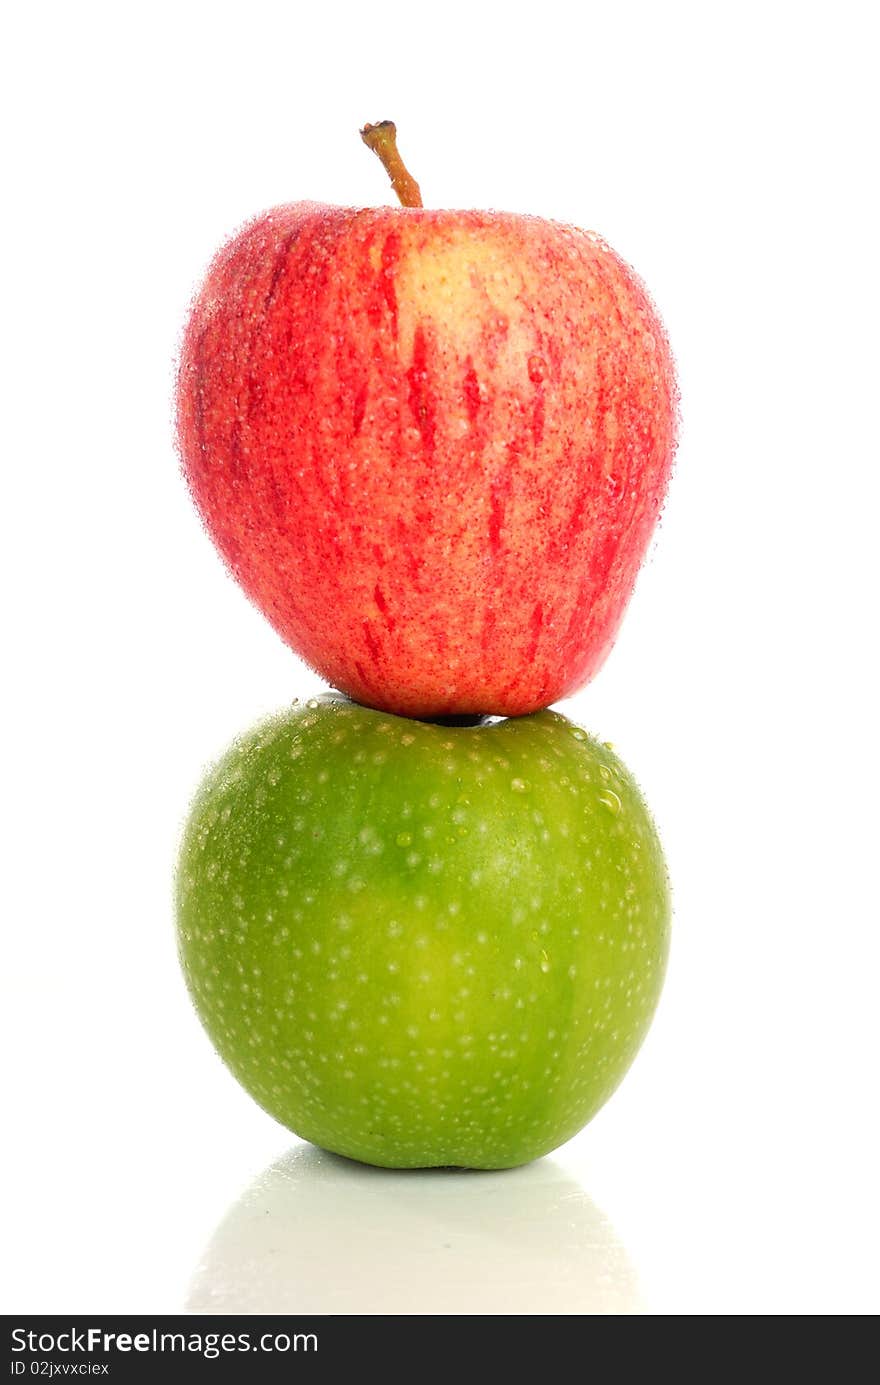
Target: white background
[{"x": 729, "y": 153}]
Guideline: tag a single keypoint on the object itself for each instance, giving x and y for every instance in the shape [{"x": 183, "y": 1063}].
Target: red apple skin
[{"x": 431, "y": 446}]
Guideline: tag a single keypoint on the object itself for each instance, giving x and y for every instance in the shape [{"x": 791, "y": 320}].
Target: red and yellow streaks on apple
[{"x": 431, "y": 445}]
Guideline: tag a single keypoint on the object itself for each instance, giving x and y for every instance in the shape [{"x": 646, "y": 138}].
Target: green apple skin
[{"x": 419, "y": 945}]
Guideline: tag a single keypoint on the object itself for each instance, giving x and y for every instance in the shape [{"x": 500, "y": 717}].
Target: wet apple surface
[
  {"x": 422, "y": 945},
  {"x": 431, "y": 445}
]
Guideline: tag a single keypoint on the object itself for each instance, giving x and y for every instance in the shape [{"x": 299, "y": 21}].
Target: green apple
[{"x": 417, "y": 944}]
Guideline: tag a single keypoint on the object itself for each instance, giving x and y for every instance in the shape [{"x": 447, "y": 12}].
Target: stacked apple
[{"x": 432, "y": 447}]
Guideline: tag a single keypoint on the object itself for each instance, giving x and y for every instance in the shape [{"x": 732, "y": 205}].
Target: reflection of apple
[
  {"x": 317, "y": 1234},
  {"x": 418, "y": 945},
  {"x": 431, "y": 445}
]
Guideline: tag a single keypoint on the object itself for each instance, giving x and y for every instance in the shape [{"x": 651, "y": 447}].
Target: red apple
[{"x": 431, "y": 445}]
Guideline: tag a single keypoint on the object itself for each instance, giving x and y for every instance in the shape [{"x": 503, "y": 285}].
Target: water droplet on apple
[
  {"x": 537, "y": 369},
  {"x": 312, "y": 704},
  {"x": 545, "y": 963},
  {"x": 577, "y": 734},
  {"x": 610, "y": 800},
  {"x": 519, "y": 785}
]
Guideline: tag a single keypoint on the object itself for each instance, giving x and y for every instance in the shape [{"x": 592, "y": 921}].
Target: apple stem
[{"x": 382, "y": 139}]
